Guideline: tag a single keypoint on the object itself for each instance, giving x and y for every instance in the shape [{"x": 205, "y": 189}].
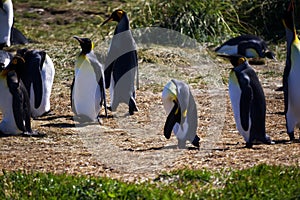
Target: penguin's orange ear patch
[
  {"x": 241, "y": 60},
  {"x": 17, "y": 59},
  {"x": 14, "y": 61},
  {"x": 120, "y": 13}
]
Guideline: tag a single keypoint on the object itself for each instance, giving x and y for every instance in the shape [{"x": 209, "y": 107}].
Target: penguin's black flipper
[
  {"x": 107, "y": 74},
  {"x": 246, "y": 97},
  {"x": 34, "y": 62},
  {"x": 244, "y": 45},
  {"x": 173, "y": 118},
  {"x": 99, "y": 71},
  {"x": 14, "y": 88},
  {"x": 17, "y": 37},
  {"x": 71, "y": 97}
]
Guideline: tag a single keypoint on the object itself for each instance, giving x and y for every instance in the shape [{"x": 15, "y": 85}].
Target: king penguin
[
  {"x": 37, "y": 74},
  {"x": 291, "y": 74},
  {"x": 247, "y": 101},
  {"x": 249, "y": 46},
  {"x": 182, "y": 118},
  {"x": 6, "y": 22},
  {"x": 14, "y": 101},
  {"x": 121, "y": 64},
  {"x": 88, "y": 87}
]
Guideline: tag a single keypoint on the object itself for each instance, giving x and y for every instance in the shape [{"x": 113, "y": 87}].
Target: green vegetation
[
  {"x": 214, "y": 20},
  {"x": 260, "y": 182}
]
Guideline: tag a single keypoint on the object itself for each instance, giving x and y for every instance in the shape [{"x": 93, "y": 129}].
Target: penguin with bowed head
[
  {"x": 121, "y": 66},
  {"x": 37, "y": 75},
  {"x": 182, "y": 119},
  {"x": 88, "y": 87},
  {"x": 247, "y": 101},
  {"x": 249, "y": 46},
  {"x": 14, "y": 102},
  {"x": 291, "y": 81}
]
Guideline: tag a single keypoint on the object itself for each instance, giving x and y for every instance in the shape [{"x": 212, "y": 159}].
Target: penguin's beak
[
  {"x": 78, "y": 39},
  {"x": 107, "y": 20}
]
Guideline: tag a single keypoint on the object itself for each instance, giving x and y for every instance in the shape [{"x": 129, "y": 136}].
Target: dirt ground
[{"x": 133, "y": 148}]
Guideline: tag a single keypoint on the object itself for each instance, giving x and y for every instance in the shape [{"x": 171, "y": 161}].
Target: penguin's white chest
[
  {"x": 293, "y": 86},
  {"x": 8, "y": 124},
  {"x": 235, "y": 98},
  {"x": 251, "y": 53},
  {"x": 86, "y": 91},
  {"x": 6, "y": 22}
]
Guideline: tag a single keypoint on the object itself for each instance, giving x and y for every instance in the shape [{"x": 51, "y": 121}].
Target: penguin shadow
[
  {"x": 34, "y": 134},
  {"x": 236, "y": 146},
  {"x": 175, "y": 147},
  {"x": 57, "y": 125},
  {"x": 286, "y": 141}
]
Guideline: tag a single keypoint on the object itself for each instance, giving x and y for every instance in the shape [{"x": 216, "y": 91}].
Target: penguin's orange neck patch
[{"x": 4, "y": 73}]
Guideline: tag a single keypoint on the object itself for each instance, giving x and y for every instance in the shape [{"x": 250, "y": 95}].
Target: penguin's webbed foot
[
  {"x": 132, "y": 106},
  {"x": 292, "y": 136},
  {"x": 249, "y": 144},
  {"x": 33, "y": 134},
  {"x": 196, "y": 142}
]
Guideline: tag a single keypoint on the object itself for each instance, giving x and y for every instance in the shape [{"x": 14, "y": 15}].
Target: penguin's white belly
[
  {"x": 227, "y": 49},
  {"x": 47, "y": 74},
  {"x": 6, "y": 22},
  {"x": 251, "y": 53},
  {"x": 8, "y": 124},
  {"x": 86, "y": 92},
  {"x": 294, "y": 92},
  {"x": 235, "y": 97}
]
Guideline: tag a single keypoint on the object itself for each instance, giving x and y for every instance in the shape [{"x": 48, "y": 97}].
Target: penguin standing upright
[
  {"x": 182, "y": 117},
  {"x": 6, "y": 22},
  {"x": 247, "y": 101},
  {"x": 249, "y": 46},
  {"x": 88, "y": 87},
  {"x": 291, "y": 81},
  {"x": 14, "y": 101},
  {"x": 121, "y": 64},
  {"x": 37, "y": 74}
]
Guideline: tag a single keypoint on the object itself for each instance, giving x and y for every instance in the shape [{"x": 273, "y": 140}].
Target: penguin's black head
[
  {"x": 17, "y": 64},
  {"x": 115, "y": 16},
  {"x": 288, "y": 19},
  {"x": 86, "y": 44},
  {"x": 270, "y": 54},
  {"x": 235, "y": 60}
]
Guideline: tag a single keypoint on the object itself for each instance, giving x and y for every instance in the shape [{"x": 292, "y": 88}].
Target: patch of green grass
[{"x": 260, "y": 182}]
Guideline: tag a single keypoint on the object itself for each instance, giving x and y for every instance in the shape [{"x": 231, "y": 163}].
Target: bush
[{"x": 215, "y": 20}]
